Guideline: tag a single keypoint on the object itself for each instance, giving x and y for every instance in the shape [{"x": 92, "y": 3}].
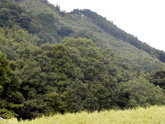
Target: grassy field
[{"x": 152, "y": 115}]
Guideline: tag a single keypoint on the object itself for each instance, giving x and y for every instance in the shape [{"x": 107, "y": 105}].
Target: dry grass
[{"x": 152, "y": 115}]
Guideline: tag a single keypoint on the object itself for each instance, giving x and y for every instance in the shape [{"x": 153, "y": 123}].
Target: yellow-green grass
[{"x": 152, "y": 115}]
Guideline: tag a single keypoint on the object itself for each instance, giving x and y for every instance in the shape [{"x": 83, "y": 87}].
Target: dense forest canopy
[{"x": 57, "y": 62}]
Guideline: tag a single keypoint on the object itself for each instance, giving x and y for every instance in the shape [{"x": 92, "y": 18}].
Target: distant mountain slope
[
  {"x": 113, "y": 30},
  {"x": 85, "y": 23}
]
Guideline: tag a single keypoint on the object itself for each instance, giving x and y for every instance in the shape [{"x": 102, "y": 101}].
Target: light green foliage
[
  {"x": 85, "y": 46},
  {"x": 38, "y": 6},
  {"x": 7, "y": 114},
  {"x": 137, "y": 57},
  {"x": 116, "y": 32},
  {"x": 15, "y": 37}
]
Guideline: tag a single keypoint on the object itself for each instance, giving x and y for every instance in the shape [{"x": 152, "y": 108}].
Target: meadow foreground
[{"x": 152, "y": 115}]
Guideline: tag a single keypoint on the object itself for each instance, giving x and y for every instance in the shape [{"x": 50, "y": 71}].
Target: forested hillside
[
  {"x": 52, "y": 61},
  {"x": 82, "y": 25},
  {"x": 116, "y": 32}
]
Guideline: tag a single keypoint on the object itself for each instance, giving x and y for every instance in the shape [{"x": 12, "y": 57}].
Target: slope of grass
[{"x": 152, "y": 115}]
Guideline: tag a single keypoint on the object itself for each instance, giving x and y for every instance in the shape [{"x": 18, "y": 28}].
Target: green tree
[
  {"x": 3, "y": 72},
  {"x": 139, "y": 92},
  {"x": 62, "y": 65},
  {"x": 33, "y": 108},
  {"x": 11, "y": 99},
  {"x": 158, "y": 78},
  {"x": 77, "y": 93}
]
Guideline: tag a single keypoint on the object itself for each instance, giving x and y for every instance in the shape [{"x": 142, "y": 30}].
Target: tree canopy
[{"x": 57, "y": 62}]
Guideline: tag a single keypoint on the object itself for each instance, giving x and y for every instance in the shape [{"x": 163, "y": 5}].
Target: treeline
[
  {"x": 71, "y": 77},
  {"x": 113, "y": 30}
]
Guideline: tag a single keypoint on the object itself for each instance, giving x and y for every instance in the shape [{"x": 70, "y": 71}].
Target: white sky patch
[{"x": 142, "y": 18}]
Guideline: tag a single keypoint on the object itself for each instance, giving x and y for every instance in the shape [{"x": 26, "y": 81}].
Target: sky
[{"x": 142, "y": 18}]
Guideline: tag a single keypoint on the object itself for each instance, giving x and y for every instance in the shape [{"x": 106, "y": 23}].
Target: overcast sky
[{"x": 142, "y": 18}]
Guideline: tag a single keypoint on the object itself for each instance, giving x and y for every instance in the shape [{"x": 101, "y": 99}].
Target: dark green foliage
[
  {"x": 33, "y": 108},
  {"x": 47, "y": 18},
  {"x": 158, "y": 78},
  {"x": 62, "y": 65},
  {"x": 98, "y": 74},
  {"x": 77, "y": 93},
  {"x": 139, "y": 92},
  {"x": 37, "y": 79},
  {"x": 4, "y": 79},
  {"x": 11, "y": 98},
  {"x": 93, "y": 72},
  {"x": 64, "y": 31},
  {"x": 72, "y": 77}
]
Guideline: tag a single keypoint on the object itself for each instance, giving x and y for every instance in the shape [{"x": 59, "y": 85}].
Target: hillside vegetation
[
  {"x": 57, "y": 62},
  {"x": 152, "y": 115},
  {"x": 116, "y": 32},
  {"x": 90, "y": 25}
]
